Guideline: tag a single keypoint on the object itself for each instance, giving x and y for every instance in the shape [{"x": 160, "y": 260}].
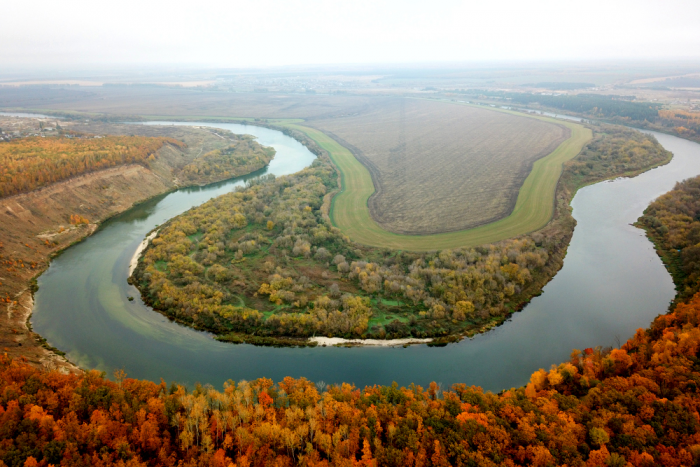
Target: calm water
[
  {"x": 26, "y": 115},
  {"x": 612, "y": 283}
]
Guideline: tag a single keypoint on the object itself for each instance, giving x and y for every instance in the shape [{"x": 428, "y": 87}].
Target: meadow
[{"x": 440, "y": 168}]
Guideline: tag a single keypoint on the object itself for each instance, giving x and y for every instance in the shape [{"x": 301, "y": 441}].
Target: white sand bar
[
  {"x": 379, "y": 342},
  {"x": 137, "y": 254}
]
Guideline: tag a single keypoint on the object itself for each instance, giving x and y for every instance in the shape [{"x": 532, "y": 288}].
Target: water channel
[{"x": 611, "y": 284}]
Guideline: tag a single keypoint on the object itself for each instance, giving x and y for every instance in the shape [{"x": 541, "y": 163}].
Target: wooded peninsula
[{"x": 264, "y": 264}]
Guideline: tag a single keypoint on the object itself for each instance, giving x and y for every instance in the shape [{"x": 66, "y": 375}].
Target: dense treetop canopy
[{"x": 30, "y": 163}]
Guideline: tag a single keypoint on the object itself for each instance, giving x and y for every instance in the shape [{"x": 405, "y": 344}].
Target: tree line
[
  {"x": 682, "y": 122},
  {"x": 614, "y": 151},
  {"x": 243, "y": 156},
  {"x": 594, "y": 105},
  {"x": 30, "y": 163},
  {"x": 619, "y": 109},
  {"x": 633, "y": 406},
  {"x": 673, "y": 223}
]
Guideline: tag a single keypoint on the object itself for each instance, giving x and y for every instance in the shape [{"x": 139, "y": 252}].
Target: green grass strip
[{"x": 533, "y": 209}]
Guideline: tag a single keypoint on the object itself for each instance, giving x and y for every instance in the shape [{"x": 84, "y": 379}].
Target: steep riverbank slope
[
  {"x": 36, "y": 225},
  {"x": 33, "y": 227}
]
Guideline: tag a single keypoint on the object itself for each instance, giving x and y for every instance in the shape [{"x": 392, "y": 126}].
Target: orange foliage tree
[
  {"x": 634, "y": 406},
  {"x": 30, "y": 163}
]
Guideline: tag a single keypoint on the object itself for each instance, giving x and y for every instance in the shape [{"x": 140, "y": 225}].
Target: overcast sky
[{"x": 245, "y": 33}]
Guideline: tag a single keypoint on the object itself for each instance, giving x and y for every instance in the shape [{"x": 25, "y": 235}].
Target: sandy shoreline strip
[
  {"x": 137, "y": 254},
  {"x": 378, "y": 342}
]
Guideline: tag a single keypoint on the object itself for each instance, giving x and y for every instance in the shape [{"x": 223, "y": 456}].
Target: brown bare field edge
[
  {"x": 533, "y": 209},
  {"x": 440, "y": 168}
]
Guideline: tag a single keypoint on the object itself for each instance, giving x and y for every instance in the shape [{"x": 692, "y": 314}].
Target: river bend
[{"x": 611, "y": 284}]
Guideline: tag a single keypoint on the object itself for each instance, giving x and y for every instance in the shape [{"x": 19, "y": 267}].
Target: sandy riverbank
[
  {"x": 137, "y": 254},
  {"x": 378, "y": 342}
]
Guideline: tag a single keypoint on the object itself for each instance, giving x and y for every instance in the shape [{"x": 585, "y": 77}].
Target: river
[{"x": 611, "y": 284}]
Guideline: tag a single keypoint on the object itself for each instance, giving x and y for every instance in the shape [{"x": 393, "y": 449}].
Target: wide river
[{"x": 611, "y": 284}]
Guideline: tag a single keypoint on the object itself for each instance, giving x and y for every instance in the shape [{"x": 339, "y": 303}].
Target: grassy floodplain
[
  {"x": 440, "y": 168},
  {"x": 533, "y": 209}
]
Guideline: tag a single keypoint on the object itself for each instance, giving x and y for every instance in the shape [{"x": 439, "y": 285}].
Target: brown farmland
[
  {"x": 181, "y": 102},
  {"x": 440, "y": 167}
]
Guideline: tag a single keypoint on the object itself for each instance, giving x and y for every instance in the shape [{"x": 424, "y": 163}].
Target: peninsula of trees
[
  {"x": 242, "y": 155},
  {"x": 265, "y": 265},
  {"x": 672, "y": 222}
]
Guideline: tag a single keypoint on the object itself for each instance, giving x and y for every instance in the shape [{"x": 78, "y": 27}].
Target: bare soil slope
[
  {"x": 441, "y": 168},
  {"x": 35, "y": 225}
]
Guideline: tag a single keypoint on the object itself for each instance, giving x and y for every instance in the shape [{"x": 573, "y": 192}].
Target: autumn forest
[
  {"x": 31, "y": 163},
  {"x": 264, "y": 264}
]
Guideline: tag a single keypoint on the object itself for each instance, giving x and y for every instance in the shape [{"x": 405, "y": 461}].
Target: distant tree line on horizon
[
  {"x": 617, "y": 109},
  {"x": 594, "y": 105},
  {"x": 561, "y": 85}
]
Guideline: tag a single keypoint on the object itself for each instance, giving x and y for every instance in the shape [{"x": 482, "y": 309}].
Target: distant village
[{"x": 12, "y": 127}]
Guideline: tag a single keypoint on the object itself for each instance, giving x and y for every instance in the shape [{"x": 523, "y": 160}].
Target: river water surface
[{"x": 611, "y": 284}]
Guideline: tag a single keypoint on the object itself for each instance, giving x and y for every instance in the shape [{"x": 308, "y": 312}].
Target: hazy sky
[{"x": 242, "y": 33}]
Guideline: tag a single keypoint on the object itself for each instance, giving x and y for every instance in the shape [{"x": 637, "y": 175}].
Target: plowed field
[{"x": 440, "y": 168}]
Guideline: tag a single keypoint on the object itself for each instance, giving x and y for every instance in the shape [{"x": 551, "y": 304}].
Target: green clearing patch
[
  {"x": 196, "y": 237},
  {"x": 384, "y": 318}
]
